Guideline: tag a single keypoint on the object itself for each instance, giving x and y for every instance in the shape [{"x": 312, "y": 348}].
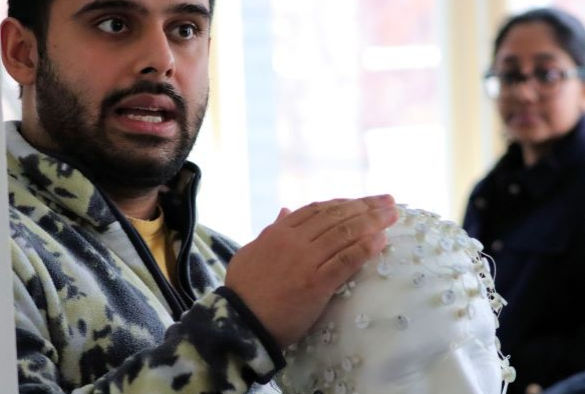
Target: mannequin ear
[{"x": 19, "y": 51}]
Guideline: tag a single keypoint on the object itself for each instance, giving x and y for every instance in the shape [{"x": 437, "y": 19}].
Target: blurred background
[{"x": 312, "y": 100}]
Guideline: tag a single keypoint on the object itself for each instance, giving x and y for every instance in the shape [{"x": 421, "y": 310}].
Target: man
[{"x": 117, "y": 288}]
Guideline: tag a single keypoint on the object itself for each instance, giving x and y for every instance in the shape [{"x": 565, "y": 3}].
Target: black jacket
[{"x": 532, "y": 222}]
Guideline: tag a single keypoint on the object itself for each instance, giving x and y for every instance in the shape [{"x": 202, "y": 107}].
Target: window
[
  {"x": 312, "y": 100},
  {"x": 343, "y": 99},
  {"x": 576, "y": 7}
]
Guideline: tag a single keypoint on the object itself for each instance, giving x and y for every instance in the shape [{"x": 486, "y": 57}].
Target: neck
[
  {"x": 31, "y": 129},
  {"x": 135, "y": 204},
  {"x": 531, "y": 154}
]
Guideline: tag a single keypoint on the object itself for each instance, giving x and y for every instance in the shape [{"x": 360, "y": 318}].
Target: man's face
[{"x": 122, "y": 88}]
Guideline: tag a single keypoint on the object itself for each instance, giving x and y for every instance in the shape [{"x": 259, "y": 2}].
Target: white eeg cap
[{"x": 421, "y": 318}]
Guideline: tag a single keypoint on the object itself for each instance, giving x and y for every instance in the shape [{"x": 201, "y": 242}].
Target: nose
[
  {"x": 156, "y": 59},
  {"x": 526, "y": 91}
]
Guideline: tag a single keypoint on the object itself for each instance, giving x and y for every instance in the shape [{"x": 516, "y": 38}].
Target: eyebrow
[
  {"x": 182, "y": 8},
  {"x": 189, "y": 8},
  {"x": 98, "y": 5},
  {"x": 513, "y": 59}
]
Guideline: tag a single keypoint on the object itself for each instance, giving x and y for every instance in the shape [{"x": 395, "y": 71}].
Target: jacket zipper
[
  {"x": 182, "y": 280},
  {"x": 177, "y": 303}
]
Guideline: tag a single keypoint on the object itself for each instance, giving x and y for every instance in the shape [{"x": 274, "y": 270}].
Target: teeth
[
  {"x": 152, "y": 109},
  {"x": 146, "y": 118}
]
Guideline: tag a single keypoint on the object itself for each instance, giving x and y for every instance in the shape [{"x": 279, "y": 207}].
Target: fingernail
[{"x": 385, "y": 198}]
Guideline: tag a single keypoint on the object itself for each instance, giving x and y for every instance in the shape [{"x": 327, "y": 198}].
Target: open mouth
[
  {"x": 147, "y": 109},
  {"x": 147, "y": 115}
]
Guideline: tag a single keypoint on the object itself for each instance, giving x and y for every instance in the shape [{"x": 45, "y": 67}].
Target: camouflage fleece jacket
[{"x": 94, "y": 314}]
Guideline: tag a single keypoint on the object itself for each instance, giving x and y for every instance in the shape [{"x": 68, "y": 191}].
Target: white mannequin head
[{"x": 420, "y": 319}]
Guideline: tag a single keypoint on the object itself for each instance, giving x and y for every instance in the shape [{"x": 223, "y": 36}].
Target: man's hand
[{"x": 289, "y": 273}]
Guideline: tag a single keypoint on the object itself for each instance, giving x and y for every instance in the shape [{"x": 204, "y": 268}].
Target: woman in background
[{"x": 529, "y": 211}]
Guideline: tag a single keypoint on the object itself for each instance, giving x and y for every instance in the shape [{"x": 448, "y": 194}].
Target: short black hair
[
  {"x": 34, "y": 15},
  {"x": 569, "y": 32}
]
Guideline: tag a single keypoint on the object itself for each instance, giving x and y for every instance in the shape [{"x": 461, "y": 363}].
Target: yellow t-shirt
[{"x": 156, "y": 236}]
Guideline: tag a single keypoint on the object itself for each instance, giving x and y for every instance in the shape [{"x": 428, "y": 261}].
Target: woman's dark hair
[
  {"x": 34, "y": 14},
  {"x": 569, "y": 32}
]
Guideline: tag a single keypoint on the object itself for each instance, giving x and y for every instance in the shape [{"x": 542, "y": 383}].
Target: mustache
[{"x": 148, "y": 87}]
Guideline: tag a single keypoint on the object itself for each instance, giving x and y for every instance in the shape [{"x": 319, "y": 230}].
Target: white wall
[{"x": 8, "y": 379}]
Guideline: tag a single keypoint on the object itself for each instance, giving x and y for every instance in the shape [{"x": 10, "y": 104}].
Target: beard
[{"x": 88, "y": 145}]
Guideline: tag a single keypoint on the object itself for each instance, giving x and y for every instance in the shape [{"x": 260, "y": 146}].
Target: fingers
[
  {"x": 327, "y": 208},
  {"x": 352, "y": 230},
  {"x": 283, "y": 213},
  {"x": 334, "y": 214},
  {"x": 301, "y": 215},
  {"x": 345, "y": 263}
]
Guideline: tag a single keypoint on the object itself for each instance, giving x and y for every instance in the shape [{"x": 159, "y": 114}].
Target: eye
[
  {"x": 113, "y": 26},
  {"x": 548, "y": 75},
  {"x": 511, "y": 77},
  {"x": 185, "y": 31}
]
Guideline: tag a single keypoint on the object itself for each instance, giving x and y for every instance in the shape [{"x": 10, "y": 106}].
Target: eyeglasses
[{"x": 546, "y": 81}]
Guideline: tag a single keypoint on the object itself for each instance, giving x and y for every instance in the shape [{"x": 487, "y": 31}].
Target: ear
[{"x": 19, "y": 51}]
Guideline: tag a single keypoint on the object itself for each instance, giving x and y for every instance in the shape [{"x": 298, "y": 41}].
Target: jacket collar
[
  {"x": 538, "y": 180},
  {"x": 61, "y": 183}
]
